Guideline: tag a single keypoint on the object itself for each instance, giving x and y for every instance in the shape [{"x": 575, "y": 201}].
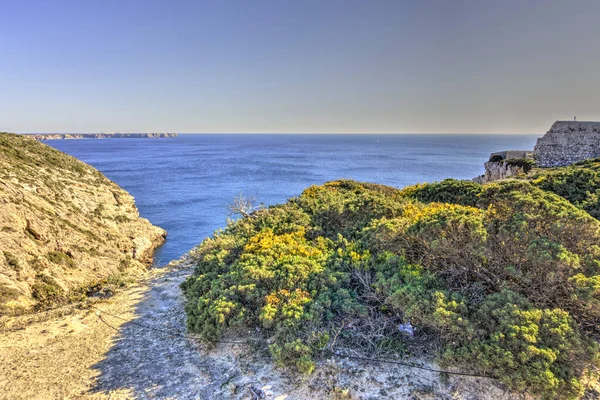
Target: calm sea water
[{"x": 185, "y": 184}]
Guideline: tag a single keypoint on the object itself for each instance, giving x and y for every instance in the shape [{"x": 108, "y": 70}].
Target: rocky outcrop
[
  {"x": 568, "y": 142},
  {"x": 498, "y": 170},
  {"x": 52, "y": 136},
  {"x": 506, "y": 164},
  {"x": 63, "y": 225}
]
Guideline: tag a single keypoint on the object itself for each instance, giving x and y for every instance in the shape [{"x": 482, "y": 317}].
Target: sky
[{"x": 298, "y": 66}]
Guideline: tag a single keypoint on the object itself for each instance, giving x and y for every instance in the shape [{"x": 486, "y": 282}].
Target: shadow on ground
[
  {"x": 147, "y": 364},
  {"x": 151, "y": 364}
]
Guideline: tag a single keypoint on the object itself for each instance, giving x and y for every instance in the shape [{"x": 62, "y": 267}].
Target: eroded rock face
[
  {"x": 568, "y": 142},
  {"x": 498, "y": 170},
  {"x": 63, "y": 225}
]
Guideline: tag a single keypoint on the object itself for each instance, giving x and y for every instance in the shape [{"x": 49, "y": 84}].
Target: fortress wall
[{"x": 568, "y": 142}]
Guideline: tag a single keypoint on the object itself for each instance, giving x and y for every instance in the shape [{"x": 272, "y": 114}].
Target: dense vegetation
[
  {"x": 578, "y": 183},
  {"x": 525, "y": 163},
  {"x": 505, "y": 276},
  {"x": 29, "y": 154}
]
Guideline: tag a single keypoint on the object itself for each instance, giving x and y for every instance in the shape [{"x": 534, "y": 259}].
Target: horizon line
[{"x": 280, "y": 133}]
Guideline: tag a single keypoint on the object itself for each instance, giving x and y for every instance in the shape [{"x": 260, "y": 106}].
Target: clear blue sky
[{"x": 477, "y": 66}]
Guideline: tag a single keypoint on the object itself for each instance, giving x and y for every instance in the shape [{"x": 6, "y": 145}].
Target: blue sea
[{"x": 185, "y": 184}]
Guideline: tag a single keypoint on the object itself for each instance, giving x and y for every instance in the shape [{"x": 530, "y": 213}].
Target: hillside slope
[{"x": 64, "y": 227}]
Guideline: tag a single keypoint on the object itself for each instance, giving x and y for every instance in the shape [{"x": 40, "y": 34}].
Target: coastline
[
  {"x": 118, "y": 342},
  {"x": 54, "y": 136}
]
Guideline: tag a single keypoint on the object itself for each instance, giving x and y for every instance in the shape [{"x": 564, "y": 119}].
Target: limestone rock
[
  {"x": 63, "y": 225},
  {"x": 504, "y": 165},
  {"x": 498, "y": 170}
]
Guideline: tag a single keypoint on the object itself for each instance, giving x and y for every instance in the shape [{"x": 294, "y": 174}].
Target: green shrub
[
  {"x": 505, "y": 276},
  {"x": 528, "y": 348},
  {"x": 58, "y": 257},
  {"x": 97, "y": 213},
  {"x": 47, "y": 292},
  {"x": 578, "y": 183},
  {"x": 29, "y": 153},
  {"x": 7, "y": 294},
  {"x": 537, "y": 242},
  {"x": 270, "y": 272},
  {"x": 345, "y": 207},
  {"x": 293, "y": 353},
  {"x": 525, "y": 163},
  {"x": 122, "y": 219},
  {"x": 12, "y": 261},
  {"x": 447, "y": 191},
  {"x": 103, "y": 288}
]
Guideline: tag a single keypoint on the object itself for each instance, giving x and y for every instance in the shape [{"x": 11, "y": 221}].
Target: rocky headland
[
  {"x": 565, "y": 143},
  {"x": 54, "y": 136},
  {"x": 64, "y": 227}
]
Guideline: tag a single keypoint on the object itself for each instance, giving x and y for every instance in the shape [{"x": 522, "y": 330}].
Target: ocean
[{"x": 185, "y": 184}]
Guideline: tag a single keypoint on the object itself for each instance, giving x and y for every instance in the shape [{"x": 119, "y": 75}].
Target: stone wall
[{"x": 568, "y": 142}]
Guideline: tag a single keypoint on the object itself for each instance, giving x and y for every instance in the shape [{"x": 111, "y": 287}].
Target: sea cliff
[
  {"x": 53, "y": 136},
  {"x": 63, "y": 226}
]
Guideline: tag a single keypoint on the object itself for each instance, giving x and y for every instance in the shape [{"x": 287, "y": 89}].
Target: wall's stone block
[{"x": 568, "y": 142}]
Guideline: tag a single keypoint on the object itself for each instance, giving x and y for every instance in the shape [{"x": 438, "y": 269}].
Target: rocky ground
[
  {"x": 64, "y": 227},
  {"x": 134, "y": 345}
]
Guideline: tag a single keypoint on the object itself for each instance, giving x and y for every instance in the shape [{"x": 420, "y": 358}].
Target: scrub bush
[
  {"x": 47, "y": 292},
  {"x": 447, "y": 191},
  {"x": 345, "y": 207},
  {"x": 58, "y": 257},
  {"x": 525, "y": 163},
  {"x": 505, "y": 276},
  {"x": 578, "y": 183}
]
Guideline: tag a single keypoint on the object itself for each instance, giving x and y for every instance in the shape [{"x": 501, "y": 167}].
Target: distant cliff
[
  {"x": 63, "y": 226},
  {"x": 568, "y": 142},
  {"x": 51, "y": 136}
]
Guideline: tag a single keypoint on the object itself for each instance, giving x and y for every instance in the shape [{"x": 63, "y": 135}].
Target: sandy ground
[{"x": 111, "y": 354}]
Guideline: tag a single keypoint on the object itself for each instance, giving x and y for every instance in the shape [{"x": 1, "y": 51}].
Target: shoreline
[{"x": 68, "y": 136}]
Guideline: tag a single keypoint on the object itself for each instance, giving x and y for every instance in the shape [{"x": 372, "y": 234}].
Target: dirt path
[{"x": 114, "y": 355}]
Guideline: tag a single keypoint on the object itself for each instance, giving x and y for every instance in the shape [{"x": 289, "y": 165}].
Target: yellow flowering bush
[{"x": 506, "y": 276}]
